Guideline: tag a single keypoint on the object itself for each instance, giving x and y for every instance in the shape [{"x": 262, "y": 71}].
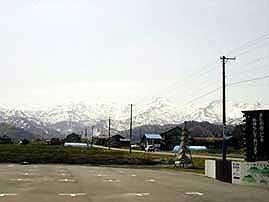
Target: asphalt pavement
[{"x": 51, "y": 183}]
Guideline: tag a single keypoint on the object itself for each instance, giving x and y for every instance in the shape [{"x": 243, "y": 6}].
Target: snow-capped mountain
[
  {"x": 213, "y": 112},
  {"x": 76, "y": 116}
]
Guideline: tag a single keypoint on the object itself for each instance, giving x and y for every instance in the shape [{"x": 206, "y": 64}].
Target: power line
[
  {"x": 228, "y": 85},
  {"x": 201, "y": 73},
  {"x": 247, "y": 51},
  {"x": 248, "y": 80},
  {"x": 209, "y": 68},
  {"x": 247, "y": 71},
  {"x": 249, "y": 43},
  {"x": 203, "y": 95}
]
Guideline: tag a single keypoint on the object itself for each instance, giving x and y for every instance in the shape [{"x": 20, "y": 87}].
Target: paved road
[
  {"x": 52, "y": 183},
  {"x": 172, "y": 154}
]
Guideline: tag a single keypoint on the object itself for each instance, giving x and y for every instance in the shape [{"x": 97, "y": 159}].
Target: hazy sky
[{"x": 53, "y": 51}]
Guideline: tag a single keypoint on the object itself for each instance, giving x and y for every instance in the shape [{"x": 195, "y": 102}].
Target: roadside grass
[
  {"x": 34, "y": 153},
  {"x": 236, "y": 153}
]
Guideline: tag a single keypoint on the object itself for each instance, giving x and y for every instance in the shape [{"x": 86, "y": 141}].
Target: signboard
[
  {"x": 236, "y": 177},
  {"x": 256, "y": 128},
  {"x": 251, "y": 173},
  {"x": 255, "y": 173}
]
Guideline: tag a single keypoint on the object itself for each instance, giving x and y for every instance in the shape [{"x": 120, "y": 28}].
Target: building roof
[
  {"x": 177, "y": 127},
  {"x": 153, "y": 136},
  {"x": 256, "y": 111},
  {"x": 206, "y": 138}
]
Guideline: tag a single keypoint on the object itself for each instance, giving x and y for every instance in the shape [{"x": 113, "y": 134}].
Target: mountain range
[{"x": 75, "y": 117}]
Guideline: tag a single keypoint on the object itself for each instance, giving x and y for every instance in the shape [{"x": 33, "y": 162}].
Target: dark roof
[
  {"x": 117, "y": 136},
  {"x": 254, "y": 111},
  {"x": 172, "y": 130},
  {"x": 206, "y": 138}
]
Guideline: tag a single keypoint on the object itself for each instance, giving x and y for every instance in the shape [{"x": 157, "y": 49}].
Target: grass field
[
  {"x": 95, "y": 156},
  {"x": 237, "y": 153}
]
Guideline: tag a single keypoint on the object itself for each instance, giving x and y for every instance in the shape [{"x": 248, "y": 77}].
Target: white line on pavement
[
  {"x": 66, "y": 180},
  {"x": 111, "y": 180},
  {"x": 73, "y": 194},
  {"x": 151, "y": 180},
  {"x": 3, "y": 195},
  {"x": 137, "y": 194},
  {"x": 194, "y": 193},
  {"x": 19, "y": 179}
]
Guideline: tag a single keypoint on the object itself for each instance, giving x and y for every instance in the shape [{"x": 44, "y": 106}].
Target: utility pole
[
  {"x": 224, "y": 147},
  {"x": 86, "y": 136},
  {"x": 131, "y": 128},
  {"x": 109, "y": 133},
  {"x": 92, "y": 135}
]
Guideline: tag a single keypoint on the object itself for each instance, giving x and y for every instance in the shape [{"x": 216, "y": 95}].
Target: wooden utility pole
[
  {"x": 86, "y": 136},
  {"x": 224, "y": 60},
  {"x": 109, "y": 133},
  {"x": 92, "y": 135},
  {"x": 131, "y": 129}
]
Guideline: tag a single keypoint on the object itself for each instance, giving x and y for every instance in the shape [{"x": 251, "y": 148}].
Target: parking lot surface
[{"x": 50, "y": 183}]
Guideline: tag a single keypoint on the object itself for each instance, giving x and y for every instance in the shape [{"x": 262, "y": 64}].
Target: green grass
[
  {"x": 34, "y": 153},
  {"x": 240, "y": 153},
  {"x": 59, "y": 154}
]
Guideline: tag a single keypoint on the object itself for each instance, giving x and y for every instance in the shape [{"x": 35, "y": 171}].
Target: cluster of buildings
[{"x": 165, "y": 141}]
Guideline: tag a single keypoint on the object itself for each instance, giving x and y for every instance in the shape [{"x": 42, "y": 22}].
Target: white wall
[{"x": 210, "y": 168}]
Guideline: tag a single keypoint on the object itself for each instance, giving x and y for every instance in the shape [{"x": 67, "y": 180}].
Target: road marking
[
  {"x": 63, "y": 174},
  {"x": 111, "y": 180},
  {"x": 122, "y": 171},
  {"x": 26, "y": 174},
  {"x": 100, "y": 175},
  {"x": 19, "y": 179},
  {"x": 137, "y": 194},
  {"x": 66, "y": 180},
  {"x": 11, "y": 165},
  {"x": 151, "y": 180},
  {"x": 133, "y": 175},
  {"x": 3, "y": 195},
  {"x": 73, "y": 194},
  {"x": 194, "y": 193}
]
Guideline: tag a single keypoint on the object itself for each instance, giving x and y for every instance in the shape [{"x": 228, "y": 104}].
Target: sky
[{"x": 55, "y": 51}]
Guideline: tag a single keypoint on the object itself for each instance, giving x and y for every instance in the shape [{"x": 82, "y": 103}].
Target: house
[
  {"x": 171, "y": 138},
  {"x": 100, "y": 140},
  {"x": 5, "y": 140},
  {"x": 54, "y": 141},
  {"x": 118, "y": 141},
  {"x": 151, "y": 139},
  {"x": 208, "y": 141},
  {"x": 73, "y": 137}
]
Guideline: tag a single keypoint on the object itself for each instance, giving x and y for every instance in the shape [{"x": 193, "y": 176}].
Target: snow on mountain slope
[
  {"x": 213, "y": 112},
  {"x": 159, "y": 111}
]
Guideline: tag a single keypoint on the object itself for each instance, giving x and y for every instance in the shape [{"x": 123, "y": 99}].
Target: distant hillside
[{"x": 15, "y": 133}]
